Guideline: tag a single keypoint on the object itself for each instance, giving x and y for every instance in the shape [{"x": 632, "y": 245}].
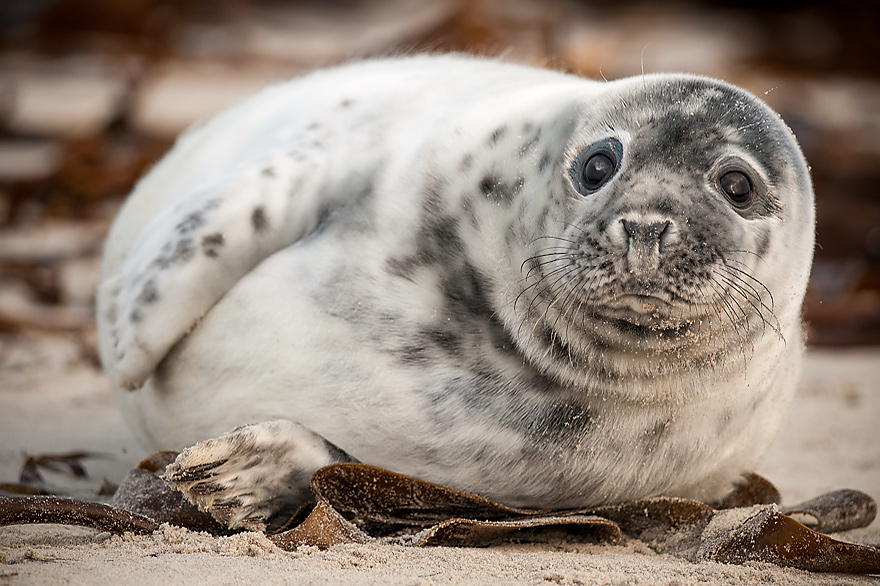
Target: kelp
[{"x": 357, "y": 503}]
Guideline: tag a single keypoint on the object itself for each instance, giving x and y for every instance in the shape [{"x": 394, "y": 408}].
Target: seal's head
[{"x": 687, "y": 238}]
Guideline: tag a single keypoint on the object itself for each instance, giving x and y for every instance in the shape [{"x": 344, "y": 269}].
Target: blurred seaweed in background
[{"x": 92, "y": 92}]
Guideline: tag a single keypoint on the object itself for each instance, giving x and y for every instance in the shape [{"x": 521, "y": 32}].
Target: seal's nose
[
  {"x": 637, "y": 230},
  {"x": 645, "y": 241}
]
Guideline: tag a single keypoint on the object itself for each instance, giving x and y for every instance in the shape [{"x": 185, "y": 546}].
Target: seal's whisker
[
  {"x": 746, "y": 274},
  {"x": 734, "y": 278},
  {"x": 573, "y": 295},
  {"x": 737, "y": 318},
  {"x": 570, "y": 294},
  {"x": 537, "y": 283},
  {"x": 547, "y": 281},
  {"x": 554, "y": 298},
  {"x": 539, "y": 264},
  {"x": 712, "y": 311},
  {"x": 549, "y": 237},
  {"x": 735, "y": 288},
  {"x": 740, "y": 277},
  {"x": 543, "y": 258},
  {"x": 743, "y": 251}
]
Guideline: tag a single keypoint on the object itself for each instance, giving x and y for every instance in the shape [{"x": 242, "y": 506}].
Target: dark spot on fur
[
  {"x": 413, "y": 354},
  {"x": 356, "y": 213},
  {"x": 259, "y": 221},
  {"x": 402, "y": 267},
  {"x": 756, "y": 403},
  {"x": 497, "y": 135},
  {"x": 654, "y": 436},
  {"x": 501, "y": 340},
  {"x": 467, "y": 162},
  {"x": 438, "y": 241},
  {"x": 467, "y": 292},
  {"x": 447, "y": 340},
  {"x": 763, "y": 243},
  {"x": 346, "y": 103},
  {"x": 322, "y": 220},
  {"x": 136, "y": 316},
  {"x": 663, "y": 205},
  {"x": 212, "y": 243},
  {"x": 529, "y": 145},
  {"x": 183, "y": 252},
  {"x": 149, "y": 293},
  {"x": 544, "y": 162},
  {"x": 493, "y": 187},
  {"x": 268, "y": 172},
  {"x": 173, "y": 254},
  {"x": 487, "y": 185},
  {"x": 443, "y": 240},
  {"x": 725, "y": 419},
  {"x": 190, "y": 222},
  {"x": 467, "y": 206},
  {"x": 564, "y": 420}
]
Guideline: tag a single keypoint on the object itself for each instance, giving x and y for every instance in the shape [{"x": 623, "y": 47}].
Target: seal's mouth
[{"x": 645, "y": 313}]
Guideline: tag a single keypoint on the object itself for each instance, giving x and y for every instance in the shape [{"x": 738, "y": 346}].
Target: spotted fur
[{"x": 397, "y": 256}]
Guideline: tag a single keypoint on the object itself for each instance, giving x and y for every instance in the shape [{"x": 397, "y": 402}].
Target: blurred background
[{"x": 92, "y": 92}]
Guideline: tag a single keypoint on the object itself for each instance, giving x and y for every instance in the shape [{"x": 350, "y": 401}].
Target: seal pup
[{"x": 550, "y": 291}]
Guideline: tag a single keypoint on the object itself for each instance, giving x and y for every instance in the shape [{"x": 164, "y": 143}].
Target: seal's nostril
[{"x": 645, "y": 231}]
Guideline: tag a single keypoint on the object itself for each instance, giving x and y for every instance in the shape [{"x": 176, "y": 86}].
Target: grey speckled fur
[{"x": 400, "y": 257}]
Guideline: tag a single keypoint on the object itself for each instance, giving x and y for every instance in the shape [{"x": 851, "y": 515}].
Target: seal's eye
[
  {"x": 737, "y": 188},
  {"x": 596, "y": 165},
  {"x": 597, "y": 170}
]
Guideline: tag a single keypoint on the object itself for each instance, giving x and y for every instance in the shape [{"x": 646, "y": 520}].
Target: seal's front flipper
[{"x": 253, "y": 473}]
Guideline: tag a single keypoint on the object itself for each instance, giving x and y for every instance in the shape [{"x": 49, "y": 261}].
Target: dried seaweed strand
[{"x": 66, "y": 511}]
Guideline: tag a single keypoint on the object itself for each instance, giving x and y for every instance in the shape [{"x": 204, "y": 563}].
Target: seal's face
[{"x": 685, "y": 195}]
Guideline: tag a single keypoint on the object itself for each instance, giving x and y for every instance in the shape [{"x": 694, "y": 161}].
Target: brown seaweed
[
  {"x": 323, "y": 527},
  {"x": 752, "y": 489},
  {"x": 16, "y": 510},
  {"x": 770, "y": 536},
  {"x": 372, "y": 497},
  {"x": 386, "y": 497},
  {"x": 475, "y": 533},
  {"x": 357, "y": 503},
  {"x": 835, "y": 511}
]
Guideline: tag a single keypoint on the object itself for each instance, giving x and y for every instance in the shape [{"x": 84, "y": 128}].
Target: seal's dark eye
[
  {"x": 596, "y": 165},
  {"x": 598, "y": 169},
  {"x": 737, "y": 188}
]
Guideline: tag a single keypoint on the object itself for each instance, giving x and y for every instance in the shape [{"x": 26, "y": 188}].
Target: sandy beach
[{"x": 830, "y": 440}]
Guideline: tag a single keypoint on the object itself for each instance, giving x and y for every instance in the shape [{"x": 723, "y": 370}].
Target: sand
[{"x": 52, "y": 402}]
